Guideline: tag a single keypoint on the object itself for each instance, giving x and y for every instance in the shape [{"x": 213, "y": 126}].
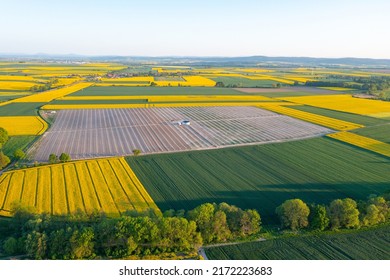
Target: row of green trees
[
  {"x": 340, "y": 213},
  {"x": 64, "y": 157},
  {"x": 4, "y": 160},
  {"x": 43, "y": 87},
  {"x": 97, "y": 236},
  {"x": 372, "y": 85}
]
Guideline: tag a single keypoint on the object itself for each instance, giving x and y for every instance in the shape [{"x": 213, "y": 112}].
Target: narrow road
[{"x": 201, "y": 251}]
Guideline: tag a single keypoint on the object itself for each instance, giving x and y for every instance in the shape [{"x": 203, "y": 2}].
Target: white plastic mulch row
[{"x": 117, "y": 132}]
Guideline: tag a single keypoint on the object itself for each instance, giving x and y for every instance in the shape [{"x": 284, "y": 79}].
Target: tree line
[
  {"x": 82, "y": 236},
  {"x": 372, "y": 85},
  {"x": 42, "y": 236},
  {"x": 5, "y": 159},
  {"x": 44, "y": 87},
  {"x": 344, "y": 213}
]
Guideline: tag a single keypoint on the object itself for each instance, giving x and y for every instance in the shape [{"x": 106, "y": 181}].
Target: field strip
[
  {"x": 50, "y": 95},
  {"x": 362, "y": 142},
  {"x": 101, "y": 189},
  {"x": 117, "y": 132},
  {"x": 44, "y": 200},
  {"x": 150, "y": 105},
  {"x": 23, "y": 125},
  {"x": 30, "y": 187},
  {"x": 314, "y": 118},
  {"x": 172, "y": 98},
  {"x": 138, "y": 185},
  {"x": 88, "y": 190},
  {"x": 13, "y": 195},
  {"x": 122, "y": 202},
  {"x": 60, "y": 203},
  {"x": 75, "y": 198},
  {"x": 344, "y": 103},
  {"x": 102, "y": 185},
  {"x": 4, "y": 186}
]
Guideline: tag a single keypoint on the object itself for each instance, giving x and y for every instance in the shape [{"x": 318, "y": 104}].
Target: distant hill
[{"x": 215, "y": 61}]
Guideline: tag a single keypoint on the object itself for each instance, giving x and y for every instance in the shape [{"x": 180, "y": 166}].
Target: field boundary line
[
  {"x": 36, "y": 190},
  {"x": 94, "y": 185},
  {"x": 24, "y": 182},
  {"x": 6, "y": 192},
  {"x": 362, "y": 142},
  {"x": 107, "y": 186},
  {"x": 137, "y": 184},
  {"x": 45, "y": 126},
  {"x": 313, "y": 118},
  {"x": 52, "y": 201},
  {"x": 78, "y": 182},
  {"x": 66, "y": 188},
  {"x": 120, "y": 183}
]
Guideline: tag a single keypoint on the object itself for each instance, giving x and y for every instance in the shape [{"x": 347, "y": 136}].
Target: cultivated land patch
[
  {"x": 23, "y": 125},
  {"x": 129, "y": 91},
  {"x": 114, "y": 132},
  {"x": 263, "y": 176},
  {"x": 364, "y": 245},
  {"x": 105, "y": 185},
  {"x": 345, "y": 103},
  {"x": 288, "y": 91}
]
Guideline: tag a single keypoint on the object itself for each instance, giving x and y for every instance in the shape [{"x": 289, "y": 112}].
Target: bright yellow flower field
[
  {"x": 102, "y": 185},
  {"x": 23, "y": 125}
]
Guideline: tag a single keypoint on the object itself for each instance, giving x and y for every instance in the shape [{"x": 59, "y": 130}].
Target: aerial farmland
[{"x": 114, "y": 139}]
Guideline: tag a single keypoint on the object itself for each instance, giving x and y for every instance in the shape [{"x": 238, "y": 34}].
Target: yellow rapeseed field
[
  {"x": 65, "y": 81},
  {"x": 23, "y": 125},
  {"x": 16, "y": 78},
  {"x": 345, "y": 103},
  {"x": 301, "y": 79},
  {"x": 191, "y": 81},
  {"x": 198, "y": 81},
  {"x": 102, "y": 185},
  {"x": 16, "y": 85},
  {"x": 50, "y": 95},
  {"x": 119, "y": 84},
  {"x": 362, "y": 142},
  {"x": 310, "y": 117}
]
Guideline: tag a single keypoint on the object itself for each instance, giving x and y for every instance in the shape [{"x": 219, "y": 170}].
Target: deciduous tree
[
  {"x": 343, "y": 213},
  {"x": 293, "y": 214},
  {"x": 318, "y": 217}
]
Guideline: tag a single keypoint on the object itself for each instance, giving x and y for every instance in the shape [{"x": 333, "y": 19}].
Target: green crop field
[
  {"x": 263, "y": 176},
  {"x": 379, "y": 132},
  {"x": 121, "y": 90},
  {"x": 20, "y": 109},
  {"x": 17, "y": 142},
  {"x": 354, "y": 118},
  {"x": 8, "y": 97},
  {"x": 291, "y": 91},
  {"x": 361, "y": 245},
  {"x": 86, "y": 101}
]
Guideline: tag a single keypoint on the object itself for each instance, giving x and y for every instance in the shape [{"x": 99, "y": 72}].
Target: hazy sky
[{"x": 316, "y": 28}]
